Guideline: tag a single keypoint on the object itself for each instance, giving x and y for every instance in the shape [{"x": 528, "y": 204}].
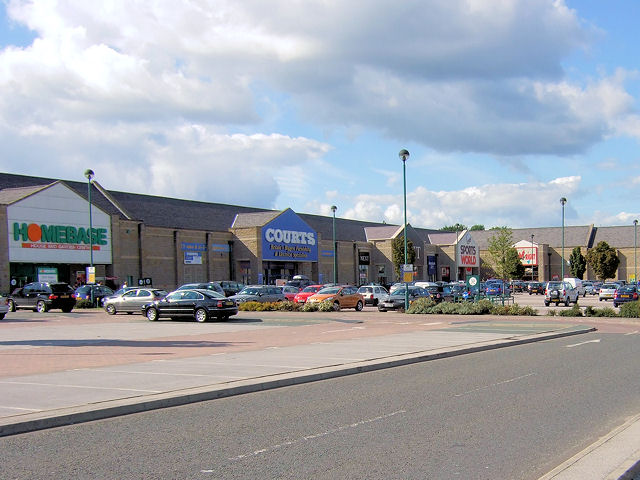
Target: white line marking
[
  {"x": 583, "y": 343},
  {"x": 495, "y": 384},
  {"x": 80, "y": 386},
  {"x": 432, "y": 323},
  {"x": 24, "y": 409},
  {"x": 312, "y": 437},
  {"x": 632, "y": 333},
  {"x": 344, "y": 330}
]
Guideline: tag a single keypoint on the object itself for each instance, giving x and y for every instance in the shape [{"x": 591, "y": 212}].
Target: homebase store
[{"x": 49, "y": 235}]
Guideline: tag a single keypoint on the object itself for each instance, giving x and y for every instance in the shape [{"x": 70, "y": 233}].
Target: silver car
[
  {"x": 259, "y": 293},
  {"x": 608, "y": 291},
  {"x": 4, "y": 306},
  {"x": 132, "y": 300}
]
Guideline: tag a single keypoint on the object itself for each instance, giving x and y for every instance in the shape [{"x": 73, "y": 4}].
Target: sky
[{"x": 504, "y": 105}]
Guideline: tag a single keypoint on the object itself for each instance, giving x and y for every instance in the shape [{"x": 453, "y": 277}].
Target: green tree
[
  {"x": 397, "y": 254},
  {"x": 577, "y": 263},
  {"x": 477, "y": 227},
  {"x": 603, "y": 260},
  {"x": 458, "y": 227},
  {"x": 503, "y": 256}
]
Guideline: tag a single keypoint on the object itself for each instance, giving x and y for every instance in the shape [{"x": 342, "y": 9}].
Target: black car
[
  {"x": 199, "y": 304},
  {"x": 395, "y": 300},
  {"x": 42, "y": 296},
  {"x": 536, "y": 287},
  {"x": 440, "y": 293},
  {"x": 230, "y": 287},
  {"x": 211, "y": 286},
  {"x": 93, "y": 293}
]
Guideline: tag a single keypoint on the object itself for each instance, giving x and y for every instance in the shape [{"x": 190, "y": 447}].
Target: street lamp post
[
  {"x": 89, "y": 174},
  {"x": 562, "y": 202},
  {"x": 635, "y": 252},
  {"x": 335, "y": 258},
  {"x": 532, "y": 256},
  {"x": 404, "y": 154}
]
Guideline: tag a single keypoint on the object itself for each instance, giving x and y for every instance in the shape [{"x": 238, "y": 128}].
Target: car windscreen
[
  {"x": 329, "y": 291},
  {"x": 249, "y": 291},
  {"x": 310, "y": 289},
  {"x": 60, "y": 288},
  {"x": 554, "y": 285}
]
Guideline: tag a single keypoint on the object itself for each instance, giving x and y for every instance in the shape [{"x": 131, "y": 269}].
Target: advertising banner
[
  {"x": 468, "y": 253},
  {"x": 192, "y": 258},
  {"x": 431, "y": 265},
  {"x": 288, "y": 238}
]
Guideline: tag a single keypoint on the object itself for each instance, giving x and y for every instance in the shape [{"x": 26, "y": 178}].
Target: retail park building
[{"x": 167, "y": 242}]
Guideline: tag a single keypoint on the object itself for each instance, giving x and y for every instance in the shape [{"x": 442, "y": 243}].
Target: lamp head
[
  {"x": 89, "y": 174},
  {"x": 563, "y": 201},
  {"x": 404, "y": 154},
  {"x": 333, "y": 208},
  {"x": 635, "y": 222}
]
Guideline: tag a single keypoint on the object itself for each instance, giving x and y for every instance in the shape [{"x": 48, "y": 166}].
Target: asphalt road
[{"x": 504, "y": 414}]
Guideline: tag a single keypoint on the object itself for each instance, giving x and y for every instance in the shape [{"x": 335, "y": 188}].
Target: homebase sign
[{"x": 288, "y": 238}]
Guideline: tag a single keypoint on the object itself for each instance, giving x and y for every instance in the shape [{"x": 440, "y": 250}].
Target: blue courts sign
[{"x": 288, "y": 238}]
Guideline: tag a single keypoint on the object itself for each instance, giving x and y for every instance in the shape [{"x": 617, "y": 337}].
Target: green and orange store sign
[{"x": 59, "y": 237}]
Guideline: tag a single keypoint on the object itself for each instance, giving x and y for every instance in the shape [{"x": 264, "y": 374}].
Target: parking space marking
[
  {"x": 79, "y": 386},
  {"x": 344, "y": 330}
]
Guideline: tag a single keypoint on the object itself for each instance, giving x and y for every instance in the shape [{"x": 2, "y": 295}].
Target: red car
[{"x": 306, "y": 293}]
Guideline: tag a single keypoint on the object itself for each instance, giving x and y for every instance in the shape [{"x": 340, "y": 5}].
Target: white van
[{"x": 577, "y": 284}]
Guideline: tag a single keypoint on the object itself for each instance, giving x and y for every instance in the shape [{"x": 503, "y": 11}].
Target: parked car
[
  {"x": 213, "y": 286},
  {"x": 290, "y": 292},
  {"x": 4, "y": 306},
  {"x": 627, "y": 293},
  {"x": 259, "y": 293},
  {"x": 42, "y": 296},
  {"x": 92, "y": 292},
  {"x": 396, "y": 300},
  {"x": 132, "y": 300},
  {"x": 345, "y": 296},
  {"x": 440, "y": 293},
  {"x": 306, "y": 292},
  {"x": 299, "y": 281},
  {"x": 588, "y": 287},
  {"x": 518, "y": 286},
  {"x": 577, "y": 284},
  {"x": 560, "y": 292},
  {"x": 607, "y": 291},
  {"x": 120, "y": 291},
  {"x": 373, "y": 294},
  {"x": 536, "y": 287},
  {"x": 230, "y": 287},
  {"x": 496, "y": 287},
  {"x": 198, "y": 304}
]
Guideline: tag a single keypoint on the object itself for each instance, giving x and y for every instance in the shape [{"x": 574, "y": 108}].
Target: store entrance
[{"x": 279, "y": 271}]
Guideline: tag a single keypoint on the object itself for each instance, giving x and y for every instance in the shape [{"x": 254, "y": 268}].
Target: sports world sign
[
  {"x": 468, "y": 255},
  {"x": 288, "y": 238}
]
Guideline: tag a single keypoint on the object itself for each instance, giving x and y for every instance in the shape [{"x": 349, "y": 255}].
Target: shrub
[
  {"x": 326, "y": 306},
  {"x": 421, "y": 305},
  {"x": 630, "y": 310},
  {"x": 574, "y": 311},
  {"x": 287, "y": 306},
  {"x": 599, "y": 312},
  {"x": 255, "y": 306},
  {"x": 310, "y": 307},
  {"x": 84, "y": 304}
]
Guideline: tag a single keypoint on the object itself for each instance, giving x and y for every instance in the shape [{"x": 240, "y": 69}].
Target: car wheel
[
  {"x": 12, "y": 305},
  {"x": 615, "y": 305},
  {"x": 546, "y": 304},
  {"x": 41, "y": 307},
  {"x": 110, "y": 309},
  {"x": 567, "y": 302},
  {"x": 2, "y": 316},
  {"x": 336, "y": 306},
  {"x": 201, "y": 315},
  {"x": 67, "y": 309},
  {"x": 129, "y": 313},
  {"x": 152, "y": 314},
  {"x": 599, "y": 299},
  {"x": 375, "y": 302},
  {"x": 359, "y": 306}
]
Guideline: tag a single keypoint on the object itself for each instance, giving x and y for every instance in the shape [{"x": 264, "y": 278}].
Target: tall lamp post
[
  {"x": 532, "y": 256},
  {"x": 335, "y": 259},
  {"x": 404, "y": 154},
  {"x": 635, "y": 252},
  {"x": 562, "y": 202},
  {"x": 89, "y": 174}
]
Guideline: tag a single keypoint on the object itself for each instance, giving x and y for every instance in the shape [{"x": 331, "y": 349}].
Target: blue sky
[{"x": 505, "y": 106}]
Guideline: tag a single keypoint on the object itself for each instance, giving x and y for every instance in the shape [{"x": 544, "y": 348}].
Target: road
[{"x": 503, "y": 414}]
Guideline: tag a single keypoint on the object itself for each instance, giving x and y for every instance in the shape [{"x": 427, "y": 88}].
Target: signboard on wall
[
  {"x": 431, "y": 265},
  {"x": 528, "y": 252},
  {"x": 52, "y": 226},
  {"x": 288, "y": 238},
  {"x": 48, "y": 275},
  {"x": 192, "y": 258}
]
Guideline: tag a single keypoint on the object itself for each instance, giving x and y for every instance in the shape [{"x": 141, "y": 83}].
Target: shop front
[
  {"x": 289, "y": 247},
  {"x": 50, "y": 240}
]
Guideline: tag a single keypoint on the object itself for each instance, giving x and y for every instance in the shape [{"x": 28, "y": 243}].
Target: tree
[
  {"x": 503, "y": 256},
  {"x": 458, "y": 227},
  {"x": 603, "y": 260},
  {"x": 397, "y": 254},
  {"x": 578, "y": 263},
  {"x": 477, "y": 227}
]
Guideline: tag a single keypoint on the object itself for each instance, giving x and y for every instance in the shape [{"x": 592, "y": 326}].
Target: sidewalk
[{"x": 195, "y": 362}]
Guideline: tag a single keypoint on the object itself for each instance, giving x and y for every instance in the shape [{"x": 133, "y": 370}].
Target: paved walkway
[{"x": 60, "y": 374}]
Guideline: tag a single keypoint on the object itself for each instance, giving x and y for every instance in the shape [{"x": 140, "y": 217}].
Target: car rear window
[{"x": 60, "y": 288}]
